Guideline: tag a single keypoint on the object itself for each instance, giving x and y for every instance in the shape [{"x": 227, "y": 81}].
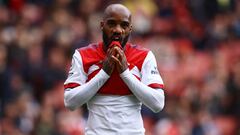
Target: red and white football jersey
[
  {"x": 86, "y": 64},
  {"x": 114, "y": 109}
]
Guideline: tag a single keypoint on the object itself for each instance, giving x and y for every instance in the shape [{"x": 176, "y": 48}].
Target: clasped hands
[{"x": 115, "y": 58}]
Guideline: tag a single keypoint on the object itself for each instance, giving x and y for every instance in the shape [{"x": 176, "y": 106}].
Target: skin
[{"x": 116, "y": 26}]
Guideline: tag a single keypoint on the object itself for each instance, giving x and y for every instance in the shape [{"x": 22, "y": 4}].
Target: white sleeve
[
  {"x": 76, "y": 75},
  {"x": 77, "y": 92},
  {"x": 152, "y": 98},
  {"x": 150, "y": 73}
]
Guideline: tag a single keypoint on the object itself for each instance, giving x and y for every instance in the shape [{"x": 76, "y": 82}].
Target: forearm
[
  {"x": 76, "y": 97},
  {"x": 153, "y": 98}
]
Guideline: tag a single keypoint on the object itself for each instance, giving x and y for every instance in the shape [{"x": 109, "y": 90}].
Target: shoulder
[
  {"x": 90, "y": 47},
  {"x": 136, "y": 54},
  {"x": 90, "y": 50},
  {"x": 137, "y": 48},
  {"x": 134, "y": 50}
]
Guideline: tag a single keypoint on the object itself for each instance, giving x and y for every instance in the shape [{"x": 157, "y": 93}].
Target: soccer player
[{"x": 114, "y": 78}]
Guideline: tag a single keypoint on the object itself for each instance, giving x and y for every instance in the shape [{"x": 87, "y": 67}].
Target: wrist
[
  {"x": 103, "y": 74},
  {"x": 125, "y": 73}
]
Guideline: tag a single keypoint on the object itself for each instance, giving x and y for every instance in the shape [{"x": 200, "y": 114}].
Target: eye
[
  {"x": 111, "y": 23},
  {"x": 125, "y": 25}
]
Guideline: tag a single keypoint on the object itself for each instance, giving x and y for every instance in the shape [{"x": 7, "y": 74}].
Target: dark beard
[{"x": 107, "y": 41}]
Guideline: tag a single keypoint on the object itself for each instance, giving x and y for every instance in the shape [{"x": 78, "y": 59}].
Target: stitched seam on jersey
[
  {"x": 81, "y": 60},
  {"x": 71, "y": 85},
  {"x": 156, "y": 85},
  {"x": 145, "y": 60}
]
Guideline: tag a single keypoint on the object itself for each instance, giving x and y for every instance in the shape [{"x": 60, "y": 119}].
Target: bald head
[{"x": 117, "y": 9}]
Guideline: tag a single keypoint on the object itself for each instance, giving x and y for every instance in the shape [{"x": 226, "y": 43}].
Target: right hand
[
  {"x": 108, "y": 62},
  {"x": 120, "y": 59}
]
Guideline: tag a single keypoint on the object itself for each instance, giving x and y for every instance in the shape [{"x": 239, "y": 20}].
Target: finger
[
  {"x": 116, "y": 47},
  {"x": 110, "y": 50},
  {"x": 119, "y": 49},
  {"x": 100, "y": 62},
  {"x": 121, "y": 55},
  {"x": 117, "y": 56},
  {"x": 116, "y": 60},
  {"x": 111, "y": 61},
  {"x": 109, "y": 53},
  {"x": 116, "y": 50}
]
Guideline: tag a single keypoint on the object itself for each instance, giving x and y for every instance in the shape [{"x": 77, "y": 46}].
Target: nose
[{"x": 118, "y": 29}]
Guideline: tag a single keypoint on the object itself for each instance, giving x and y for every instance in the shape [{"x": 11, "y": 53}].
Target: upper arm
[
  {"x": 76, "y": 75},
  {"x": 150, "y": 73}
]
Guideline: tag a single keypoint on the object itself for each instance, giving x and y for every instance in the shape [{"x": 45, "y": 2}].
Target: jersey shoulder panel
[
  {"x": 136, "y": 54},
  {"x": 137, "y": 47},
  {"x": 76, "y": 74},
  {"x": 89, "y": 51},
  {"x": 91, "y": 54}
]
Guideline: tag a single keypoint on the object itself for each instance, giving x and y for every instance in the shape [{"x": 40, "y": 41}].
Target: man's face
[{"x": 116, "y": 27}]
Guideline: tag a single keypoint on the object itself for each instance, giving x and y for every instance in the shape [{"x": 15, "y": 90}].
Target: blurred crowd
[{"x": 196, "y": 44}]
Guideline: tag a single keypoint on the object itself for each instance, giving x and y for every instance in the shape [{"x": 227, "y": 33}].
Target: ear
[
  {"x": 101, "y": 25},
  {"x": 131, "y": 28}
]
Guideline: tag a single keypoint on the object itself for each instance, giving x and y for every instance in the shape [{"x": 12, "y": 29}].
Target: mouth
[{"x": 116, "y": 38}]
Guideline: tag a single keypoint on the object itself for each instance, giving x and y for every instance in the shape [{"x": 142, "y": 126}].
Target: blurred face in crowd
[{"x": 116, "y": 24}]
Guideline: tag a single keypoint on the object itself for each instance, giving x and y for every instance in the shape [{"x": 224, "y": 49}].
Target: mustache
[{"x": 116, "y": 36}]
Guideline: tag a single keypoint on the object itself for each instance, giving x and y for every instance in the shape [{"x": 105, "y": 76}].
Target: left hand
[
  {"x": 109, "y": 63},
  {"x": 120, "y": 59}
]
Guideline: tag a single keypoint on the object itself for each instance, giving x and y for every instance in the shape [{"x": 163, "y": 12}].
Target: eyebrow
[{"x": 124, "y": 21}]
